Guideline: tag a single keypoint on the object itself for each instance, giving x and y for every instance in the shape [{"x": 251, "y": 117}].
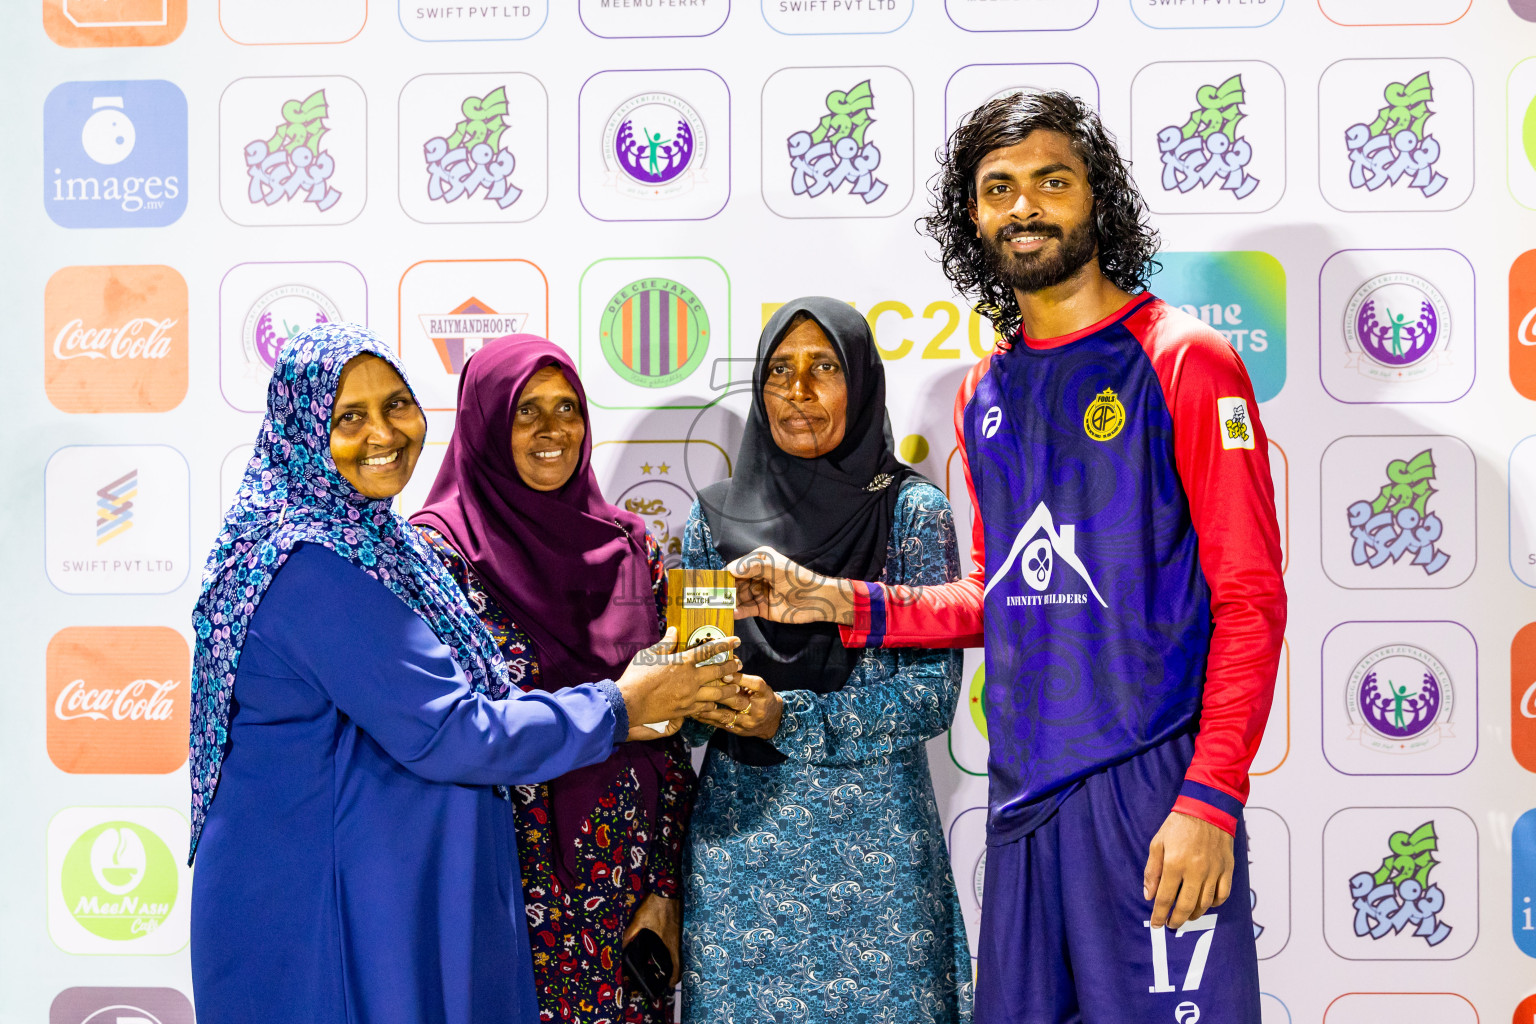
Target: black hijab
[{"x": 832, "y": 513}]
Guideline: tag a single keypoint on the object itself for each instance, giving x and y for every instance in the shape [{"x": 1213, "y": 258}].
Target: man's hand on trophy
[{"x": 771, "y": 586}]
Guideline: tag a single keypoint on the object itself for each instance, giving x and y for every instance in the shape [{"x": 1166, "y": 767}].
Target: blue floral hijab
[{"x": 292, "y": 494}]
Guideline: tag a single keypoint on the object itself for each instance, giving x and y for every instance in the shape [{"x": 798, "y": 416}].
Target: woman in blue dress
[
  {"x": 818, "y": 886},
  {"x": 348, "y": 713}
]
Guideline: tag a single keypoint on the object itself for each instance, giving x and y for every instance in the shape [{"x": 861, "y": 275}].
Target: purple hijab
[{"x": 570, "y": 568}]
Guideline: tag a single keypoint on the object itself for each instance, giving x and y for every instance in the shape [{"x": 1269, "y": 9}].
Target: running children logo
[
  {"x": 115, "y": 154},
  {"x": 1399, "y": 700},
  {"x": 471, "y": 157},
  {"x": 464, "y": 330},
  {"x": 1396, "y": 147},
  {"x": 292, "y": 162},
  {"x": 654, "y": 332},
  {"x": 1399, "y": 895},
  {"x": 277, "y": 317},
  {"x": 1209, "y": 148},
  {"x": 1397, "y": 327},
  {"x": 654, "y": 146},
  {"x": 1102, "y": 420},
  {"x": 1397, "y": 523},
  {"x": 1041, "y": 549},
  {"x": 837, "y": 151}
]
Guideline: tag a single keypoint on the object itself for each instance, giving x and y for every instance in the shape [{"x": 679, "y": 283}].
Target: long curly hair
[{"x": 1126, "y": 242}]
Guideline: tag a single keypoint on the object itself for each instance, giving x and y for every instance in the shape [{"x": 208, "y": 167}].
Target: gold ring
[{"x": 732, "y": 723}]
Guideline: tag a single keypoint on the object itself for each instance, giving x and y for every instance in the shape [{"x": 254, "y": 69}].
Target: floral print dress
[
  {"x": 820, "y": 889},
  {"x": 577, "y": 936}
]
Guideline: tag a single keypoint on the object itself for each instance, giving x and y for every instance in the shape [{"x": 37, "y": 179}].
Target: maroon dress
[{"x": 623, "y": 853}]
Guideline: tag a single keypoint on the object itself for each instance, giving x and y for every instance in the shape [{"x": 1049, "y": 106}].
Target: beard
[{"x": 1033, "y": 271}]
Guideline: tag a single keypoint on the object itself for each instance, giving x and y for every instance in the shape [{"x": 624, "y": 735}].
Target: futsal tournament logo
[
  {"x": 119, "y": 881},
  {"x": 654, "y": 332},
  {"x": 654, "y": 146},
  {"x": 837, "y": 151},
  {"x": 464, "y": 330},
  {"x": 114, "y": 507},
  {"x": 1207, "y": 148},
  {"x": 1397, "y": 523},
  {"x": 1396, "y": 147},
  {"x": 1399, "y": 896},
  {"x": 293, "y": 160},
  {"x": 471, "y": 157},
  {"x": 1040, "y": 549},
  {"x": 1393, "y": 325},
  {"x": 277, "y": 317},
  {"x": 1399, "y": 700}
]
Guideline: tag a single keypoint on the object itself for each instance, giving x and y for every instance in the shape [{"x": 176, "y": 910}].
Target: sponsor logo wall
[{"x": 646, "y": 183}]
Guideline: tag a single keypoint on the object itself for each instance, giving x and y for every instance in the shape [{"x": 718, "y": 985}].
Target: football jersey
[{"x": 1128, "y": 562}]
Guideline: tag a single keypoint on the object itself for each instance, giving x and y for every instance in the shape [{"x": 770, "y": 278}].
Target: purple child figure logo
[
  {"x": 654, "y": 146},
  {"x": 1397, "y": 327}
]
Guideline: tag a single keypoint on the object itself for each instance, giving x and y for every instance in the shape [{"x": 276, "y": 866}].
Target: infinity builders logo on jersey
[
  {"x": 117, "y": 699},
  {"x": 115, "y": 154},
  {"x": 837, "y": 151},
  {"x": 655, "y": 480},
  {"x": 1395, "y": 134},
  {"x": 473, "y": 148},
  {"x": 1040, "y": 549},
  {"x": 1208, "y": 148},
  {"x": 115, "y": 339},
  {"x": 113, "y": 884},
  {"x": 95, "y": 1005},
  {"x": 116, "y": 519},
  {"x": 114, "y": 22},
  {"x": 1397, "y": 523}
]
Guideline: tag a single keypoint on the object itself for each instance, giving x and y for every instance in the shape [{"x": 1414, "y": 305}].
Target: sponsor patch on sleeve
[{"x": 1234, "y": 423}]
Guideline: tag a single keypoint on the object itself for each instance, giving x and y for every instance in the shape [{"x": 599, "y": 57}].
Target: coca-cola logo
[
  {"x": 143, "y": 700},
  {"x": 1528, "y": 702},
  {"x": 140, "y": 338}
]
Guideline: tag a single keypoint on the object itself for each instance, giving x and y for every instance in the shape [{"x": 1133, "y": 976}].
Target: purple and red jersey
[{"x": 1127, "y": 562}]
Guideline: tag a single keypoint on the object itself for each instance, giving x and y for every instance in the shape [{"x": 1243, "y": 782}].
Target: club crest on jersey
[
  {"x": 1040, "y": 549},
  {"x": 1105, "y": 416},
  {"x": 1235, "y": 424},
  {"x": 991, "y": 421}
]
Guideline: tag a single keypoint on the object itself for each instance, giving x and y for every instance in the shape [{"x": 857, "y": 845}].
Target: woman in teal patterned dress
[{"x": 818, "y": 884}]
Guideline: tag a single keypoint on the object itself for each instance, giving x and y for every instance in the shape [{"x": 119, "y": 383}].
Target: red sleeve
[
  {"x": 944, "y": 615},
  {"x": 1222, "y": 457}
]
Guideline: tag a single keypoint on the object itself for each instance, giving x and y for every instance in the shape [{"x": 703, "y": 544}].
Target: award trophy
[{"x": 701, "y": 604}]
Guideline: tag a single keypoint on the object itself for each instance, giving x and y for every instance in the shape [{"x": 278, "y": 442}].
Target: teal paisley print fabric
[{"x": 819, "y": 889}]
